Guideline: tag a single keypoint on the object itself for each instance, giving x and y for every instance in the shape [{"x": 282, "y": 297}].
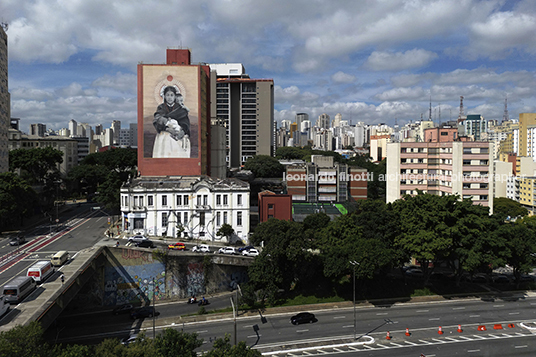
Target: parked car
[
  {"x": 201, "y": 248},
  {"x": 177, "y": 246},
  {"x": 137, "y": 239},
  {"x": 302, "y": 318},
  {"x": 123, "y": 309},
  {"x": 250, "y": 253},
  {"x": 227, "y": 250},
  {"x": 146, "y": 244},
  {"x": 526, "y": 278},
  {"x": 480, "y": 278},
  {"x": 143, "y": 312},
  {"x": 17, "y": 241},
  {"x": 130, "y": 339},
  {"x": 247, "y": 247},
  {"x": 501, "y": 279},
  {"x": 414, "y": 273}
]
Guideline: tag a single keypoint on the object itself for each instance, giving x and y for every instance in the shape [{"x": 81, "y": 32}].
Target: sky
[{"x": 382, "y": 61}]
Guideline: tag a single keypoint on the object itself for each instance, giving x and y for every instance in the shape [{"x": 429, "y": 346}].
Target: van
[
  {"x": 4, "y": 305},
  {"x": 59, "y": 258},
  {"x": 40, "y": 271},
  {"x": 17, "y": 289},
  {"x": 146, "y": 244}
]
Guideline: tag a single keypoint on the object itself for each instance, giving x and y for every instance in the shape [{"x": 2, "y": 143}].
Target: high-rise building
[
  {"x": 323, "y": 121},
  {"x": 5, "y": 112},
  {"x": 38, "y": 129},
  {"x": 246, "y": 106},
  {"x": 337, "y": 120},
  {"x": 73, "y": 126},
  {"x": 526, "y": 121},
  {"x": 300, "y": 118},
  {"x": 116, "y": 127}
]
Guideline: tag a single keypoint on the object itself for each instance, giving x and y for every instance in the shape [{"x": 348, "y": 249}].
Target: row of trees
[
  {"x": 431, "y": 229},
  {"x": 28, "y": 341},
  {"x": 34, "y": 184}
]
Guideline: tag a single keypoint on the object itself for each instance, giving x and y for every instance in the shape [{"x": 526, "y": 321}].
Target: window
[
  {"x": 164, "y": 200},
  {"x": 202, "y": 218},
  {"x": 141, "y": 201},
  {"x": 185, "y": 200},
  {"x": 164, "y": 219},
  {"x": 238, "y": 218},
  {"x": 218, "y": 200},
  {"x": 205, "y": 200},
  {"x": 218, "y": 219},
  {"x": 178, "y": 214},
  {"x": 185, "y": 218},
  {"x": 239, "y": 199},
  {"x": 149, "y": 200},
  {"x": 224, "y": 217},
  {"x": 270, "y": 205},
  {"x": 199, "y": 200},
  {"x": 467, "y": 162},
  {"x": 225, "y": 203},
  {"x": 179, "y": 200}
]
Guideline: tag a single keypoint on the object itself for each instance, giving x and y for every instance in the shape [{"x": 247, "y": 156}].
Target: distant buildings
[{"x": 5, "y": 112}]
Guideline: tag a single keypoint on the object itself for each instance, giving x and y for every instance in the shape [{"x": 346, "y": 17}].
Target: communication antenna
[
  {"x": 505, "y": 115},
  {"x": 4, "y": 25},
  {"x": 430, "y": 111},
  {"x": 461, "y": 109}
]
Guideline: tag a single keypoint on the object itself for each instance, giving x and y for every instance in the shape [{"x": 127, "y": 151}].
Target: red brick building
[{"x": 272, "y": 205}]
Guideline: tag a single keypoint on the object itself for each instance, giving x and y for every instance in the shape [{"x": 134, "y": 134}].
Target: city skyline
[{"x": 371, "y": 61}]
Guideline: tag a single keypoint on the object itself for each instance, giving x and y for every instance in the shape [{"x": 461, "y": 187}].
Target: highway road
[{"x": 277, "y": 334}]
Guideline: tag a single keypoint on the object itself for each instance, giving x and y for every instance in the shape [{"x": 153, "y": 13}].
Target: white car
[
  {"x": 201, "y": 248},
  {"x": 227, "y": 250},
  {"x": 250, "y": 253},
  {"x": 137, "y": 239}
]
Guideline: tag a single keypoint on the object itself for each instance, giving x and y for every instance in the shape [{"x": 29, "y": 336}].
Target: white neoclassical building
[{"x": 197, "y": 205}]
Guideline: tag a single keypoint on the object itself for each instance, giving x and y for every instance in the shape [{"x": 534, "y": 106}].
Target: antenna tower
[
  {"x": 430, "y": 111},
  {"x": 505, "y": 115},
  {"x": 461, "y": 109}
]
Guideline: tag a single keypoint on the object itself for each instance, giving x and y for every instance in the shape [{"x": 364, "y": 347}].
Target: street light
[{"x": 355, "y": 264}]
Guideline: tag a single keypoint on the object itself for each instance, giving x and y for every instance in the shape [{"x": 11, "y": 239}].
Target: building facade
[
  {"x": 322, "y": 180},
  {"x": 191, "y": 207},
  {"x": 272, "y": 205},
  {"x": 5, "y": 111},
  {"x": 463, "y": 168},
  {"x": 246, "y": 108}
]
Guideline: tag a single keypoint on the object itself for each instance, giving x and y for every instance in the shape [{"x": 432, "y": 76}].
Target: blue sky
[{"x": 372, "y": 61}]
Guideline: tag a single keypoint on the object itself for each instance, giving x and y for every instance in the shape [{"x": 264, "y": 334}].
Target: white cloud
[
  {"x": 121, "y": 82},
  {"x": 388, "y": 61},
  {"x": 341, "y": 77}
]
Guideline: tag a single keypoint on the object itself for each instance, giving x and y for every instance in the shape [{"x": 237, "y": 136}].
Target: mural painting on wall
[
  {"x": 232, "y": 279},
  {"x": 190, "y": 282},
  {"x": 134, "y": 283}
]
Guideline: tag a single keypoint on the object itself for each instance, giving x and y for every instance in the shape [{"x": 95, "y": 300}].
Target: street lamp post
[{"x": 355, "y": 264}]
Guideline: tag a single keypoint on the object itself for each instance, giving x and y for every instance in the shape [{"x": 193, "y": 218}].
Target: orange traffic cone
[
  {"x": 460, "y": 328},
  {"x": 388, "y": 336},
  {"x": 407, "y": 332},
  {"x": 440, "y": 331}
]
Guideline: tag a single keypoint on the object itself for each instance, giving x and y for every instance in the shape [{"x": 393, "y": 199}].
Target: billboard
[{"x": 169, "y": 122}]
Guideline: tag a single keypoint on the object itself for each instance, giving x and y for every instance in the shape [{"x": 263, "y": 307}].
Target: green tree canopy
[
  {"x": 264, "y": 166},
  {"x": 36, "y": 164},
  {"x": 504, "y": 207},
  {"x": 17, "y": 200}
]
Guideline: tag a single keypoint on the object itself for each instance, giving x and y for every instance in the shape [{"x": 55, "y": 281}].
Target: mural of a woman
[{"x": 172, "y": 126}]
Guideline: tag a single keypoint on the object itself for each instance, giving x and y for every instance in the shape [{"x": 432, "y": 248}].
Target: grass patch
[
  {"x": 422, "y": 292},
  {"x": 311, "y": 299}
]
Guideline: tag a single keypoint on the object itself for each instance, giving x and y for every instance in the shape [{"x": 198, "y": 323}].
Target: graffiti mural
[
  {"x": 134, "y": 283},
  {"x": 195, "y": 278}
]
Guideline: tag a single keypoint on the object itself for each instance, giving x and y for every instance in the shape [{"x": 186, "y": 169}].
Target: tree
[
  {"x": 520, "y": 245},
  {"x": 264, "y": 166},
  {"x": 173, "y": 343},
  {"x": 16, "y": 200},
  {"x": 24, "y": 341},
  {"x": 504, "y": 207},
  {"x": 226, "y": 230},
  {"x": 36, "y": 164},
  {"x": 222, "y": 348},
  {"x": 291, "y": 153}
]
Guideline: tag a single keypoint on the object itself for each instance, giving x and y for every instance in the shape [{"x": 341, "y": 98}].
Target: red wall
[{"x": 281, "y": 207}]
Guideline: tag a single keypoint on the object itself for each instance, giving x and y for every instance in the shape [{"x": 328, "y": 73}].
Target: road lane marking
[
  {"x": 498, "y": 305},
  {"x": 422, "y": 311},
  {"x": 203, "y": 331},
  {"x": 458, "y": 308},
  {"x": 381, "y": 313},
  {"x": 302, "y": 330},
  {"x": 523, "y": 346},
  {"x": 471, "y": 351},
  {"x": 434, "y": 319},
  {"x": 513, "y": 313},
  {"x": 474, "y": 315},
  {"x": 339, "y": 317},
  {"x": 346, "y": 326}
]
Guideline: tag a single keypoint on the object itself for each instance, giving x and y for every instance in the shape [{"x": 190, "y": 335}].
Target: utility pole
[{"x": 355, "y": 264}]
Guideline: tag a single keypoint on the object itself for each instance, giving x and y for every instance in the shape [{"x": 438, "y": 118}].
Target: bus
[
  {"x": 40, "y": 271},
  {"x": 17, "y": 289},
  {"x": 59, "y": 258}
]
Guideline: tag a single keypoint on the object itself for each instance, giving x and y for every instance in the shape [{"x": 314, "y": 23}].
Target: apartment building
[
  {"x": 463, "y": 168},
  {"x": 246, "y": 107}
]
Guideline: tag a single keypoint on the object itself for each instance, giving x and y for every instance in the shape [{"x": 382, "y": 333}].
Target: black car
[
  {"x": 142, "y": 312},
  {"x": 247, "y": 247},
  {"x": 146, "y": 244},
  {"x": 123, "y": 309},
  {"x": 17, "y": 241},
  {"x": 302, "y": 318}
]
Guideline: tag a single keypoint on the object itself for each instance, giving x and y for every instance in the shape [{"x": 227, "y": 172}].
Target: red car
[{"x": 177, "y": 246}]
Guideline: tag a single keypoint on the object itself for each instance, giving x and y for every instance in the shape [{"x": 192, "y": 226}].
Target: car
[
  {"x": 130, "y": 339},
  {"x": 414, "y": 272},
  {"x": 247, "y": 247},
  {"x": 201, "y": 248},
  {"x": 250, "y": 253},
  {"x": 302, "y": 318},
  {"x": 480, "y": 278},
  {"x": 501, "y": 279},
  {"x": 123, "y": 309},
  {"x": 137, "y": 239},
  {"x": 143, "y": 312},
  {"x": 177, "y": 246},
  {"x": 227, "y": 250},
  {"x": 17, "y": 241},
  {"x": 146, "y": 244},
  {"x": 526, "y": 278}
]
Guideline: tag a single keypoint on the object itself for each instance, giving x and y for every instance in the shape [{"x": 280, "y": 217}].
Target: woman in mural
[{"x": 172, "y": 126}]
